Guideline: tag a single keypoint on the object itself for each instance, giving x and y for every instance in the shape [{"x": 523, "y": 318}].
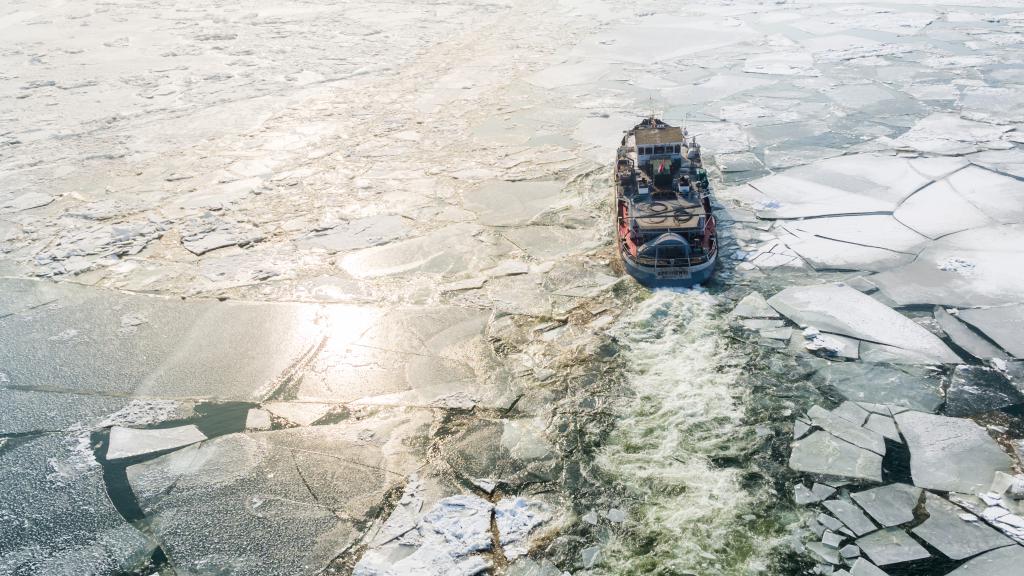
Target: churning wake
[{"x": 680, "y": 416}]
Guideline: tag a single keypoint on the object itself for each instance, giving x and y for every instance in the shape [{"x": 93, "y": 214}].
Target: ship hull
[{"x": 670, "y": 277}]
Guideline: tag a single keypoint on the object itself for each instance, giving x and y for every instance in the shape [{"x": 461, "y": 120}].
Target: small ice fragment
[
  {"x": 131, "y": 442},
  {"x": 616, "y": 516},
  {"x": 754, "y": 305},
  {"x": 816, "y": 341},
  {"x": 822, "y": 491},
  {"x": 1001, "y": 482},
  {"x": 802, "y": 495},
  {"x": 849, "y": 551},
  {"x": 257, "y": 419},
  {"x": 486, "y": 484},
  {"x": 831, "y": 539}
]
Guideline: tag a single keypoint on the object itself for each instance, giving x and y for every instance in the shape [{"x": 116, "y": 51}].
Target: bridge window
[
  {"x": 659, "y": 149},
  {"x": 677, "y": 148}
]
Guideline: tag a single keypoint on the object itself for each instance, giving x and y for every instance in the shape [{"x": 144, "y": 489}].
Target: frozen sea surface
[{"x": 329, "y": 288}]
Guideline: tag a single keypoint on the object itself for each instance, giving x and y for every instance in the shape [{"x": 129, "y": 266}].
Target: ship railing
[{"x": 674, "y": 262}]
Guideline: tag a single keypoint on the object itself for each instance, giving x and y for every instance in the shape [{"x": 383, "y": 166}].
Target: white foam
[{"x": 684, "y": 410}]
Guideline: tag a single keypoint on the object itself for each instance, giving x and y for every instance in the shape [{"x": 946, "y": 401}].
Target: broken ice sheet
[
  {"x": 966, "y": 338},
  {"x": 850, "y": 515},
  {"x": 891, "y": 546},
  {"x": 358, "y": 233},
  {"x": 568, "y": 74},
  {"x": 950, "y": 454},
  {"x": 889, "y": 505},
  {"x": 210, "y": 232},
  {"x": 754, "y": 305},
  {"x": 908, "y": 387},
  {"x": 176, "y": 353},
  {"x": 846, "y": 430},
  {"x": 647, "y": 43},
  {"x": 299, "y": 491},
  {"x": 781, "y": 63},
  {"x": 411, "y": 356},
  {"x": 130, "y": 442},
  {"x": 515, "y": 451},
  {"x": 449, "y": 250},
  {"x": 257, "y": 419},
  {"x": 1004, "y": 325},
  {"x": 845, "y": 185},
  {"x": 952, "y": 535},
  {"x": 826, "y": 254},
  {"x": 843, "y": 310},
  {"x": 44, "y": 514},
  {"x": 1000, "y": 562},
  {"x": 880, "y": 231},
  {"x": 968, "y": 198},
  {"x": 990, "y": 281},
  {"x": 992, "y": 104},
  {"x": 301, "y": 413},
  {"x": 34, "y": 411},
  {"x": 825, "y": 455},
  {"x": 950, "y": 134},
  {"x": 25, "y": 201}
]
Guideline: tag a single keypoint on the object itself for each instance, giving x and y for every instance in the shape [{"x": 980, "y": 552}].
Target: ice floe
[
  {"x": 826, "y": 455},
  {"x": 131, "y": 442},
  {"x": 850, "y": 515},
  {"x": 1004, "y": 325},
  {"x": 966, "y": 338},
  {"x": 891, "y": 546},
  {"x": 878, "y": 384},
  {"x": 889, "y": 505},
  {"x": 50, "y": 520},
  {"x": 989, "y": 282},
  {"x": 955, "y": 537},
  {"x": 843, "y": 310},
  {"x": 978, "y": 389},
  {"x": 1001, "y": 562},
  {"x": 950, "y": 134},
  {"x": 950, "y": 454}
]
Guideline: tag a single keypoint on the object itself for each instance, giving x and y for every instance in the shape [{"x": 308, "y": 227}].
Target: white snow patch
[
  {"x": 957, "y": 264},
  {"x": 516, "y": 518},
  {"x": 444, "y": 542}
]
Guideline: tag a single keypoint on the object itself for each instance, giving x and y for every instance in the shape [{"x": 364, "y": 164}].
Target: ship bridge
[{"x": 659, "y": 142}]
